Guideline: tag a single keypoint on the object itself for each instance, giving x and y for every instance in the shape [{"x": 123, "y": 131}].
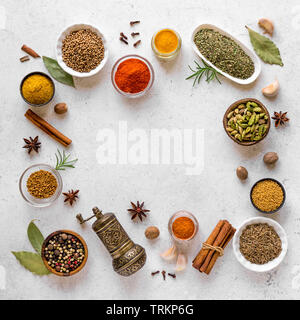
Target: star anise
[
  {"x": 138, "y": 210},
  {"x": 280, "y": 118},
  {"x": 32, "y": 144},
  {"x": 71, "y": 196}
]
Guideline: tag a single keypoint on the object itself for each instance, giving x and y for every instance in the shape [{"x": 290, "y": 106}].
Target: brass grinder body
[{"x": 128, "y": 257}]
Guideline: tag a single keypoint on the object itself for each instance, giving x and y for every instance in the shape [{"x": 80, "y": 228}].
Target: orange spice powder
[
  {"x": 132, "y": 76},
  {"x": 183, "y": 228}
]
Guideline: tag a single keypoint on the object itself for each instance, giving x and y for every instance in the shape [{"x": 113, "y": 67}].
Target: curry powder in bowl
[{"x": 37, "y": 89}]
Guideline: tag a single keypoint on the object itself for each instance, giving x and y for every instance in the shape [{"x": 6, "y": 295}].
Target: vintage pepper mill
[{"x": 128, "y": 257}]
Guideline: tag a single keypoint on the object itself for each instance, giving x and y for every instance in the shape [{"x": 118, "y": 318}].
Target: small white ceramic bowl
[
  {"x": 260, "y": 267},
  {"x": 251, "y": 54},
  {"x": 60, "y": 61}
]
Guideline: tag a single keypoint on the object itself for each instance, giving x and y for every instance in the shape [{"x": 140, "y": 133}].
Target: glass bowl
[
  {"x": 41, "y": 74},
  {"x": 37, "y": 202},
  {"x": 169, "y": 55},
  {"x": 179, "y": 214},
  {"x": 128, "y": 94}
]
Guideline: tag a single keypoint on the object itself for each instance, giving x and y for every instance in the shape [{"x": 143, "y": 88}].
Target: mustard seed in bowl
[{"x": 267, "y": 195}]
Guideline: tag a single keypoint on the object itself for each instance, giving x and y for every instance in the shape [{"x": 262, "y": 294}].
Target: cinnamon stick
[
  {"x": 30, "y": 51},
  {"x": 46, "y": 127},
  {"x": 220, "y": 238},
  {"x": 198, "y": 261},
  {"x": 216, "y": 253}
]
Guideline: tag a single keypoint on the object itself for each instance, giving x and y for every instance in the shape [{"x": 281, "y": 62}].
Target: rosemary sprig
[
  {"x": 208, "y": 71},
  {"x": 62, "y": 161}
]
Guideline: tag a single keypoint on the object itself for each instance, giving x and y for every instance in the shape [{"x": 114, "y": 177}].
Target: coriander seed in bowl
[{"x": 81, "y": 50}]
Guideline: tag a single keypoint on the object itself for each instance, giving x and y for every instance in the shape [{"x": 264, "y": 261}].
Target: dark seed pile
[
  {"x": 82, "y": 50},
  {"x": 260, "y": 243},
  {"x": 64, "y": 253},
  {"x": 224, "y": 53}
]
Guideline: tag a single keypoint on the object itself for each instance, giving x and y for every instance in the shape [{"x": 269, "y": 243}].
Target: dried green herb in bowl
[
  {"x": 224, "y": 53},
  {"x": 247, "y": 121}
]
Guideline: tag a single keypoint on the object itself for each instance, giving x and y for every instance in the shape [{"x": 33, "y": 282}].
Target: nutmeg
[
  {"x": 270, "y": 157},
  {"x": 61, "y": 108},
  {"x": 242, "y": 173},
  {"x": 151, "y": 232}
]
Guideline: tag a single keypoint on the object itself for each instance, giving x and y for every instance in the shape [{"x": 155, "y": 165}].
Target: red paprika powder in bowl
[
  {"x": 132, "y": 76},
  {"x": 183, "y": 226}
]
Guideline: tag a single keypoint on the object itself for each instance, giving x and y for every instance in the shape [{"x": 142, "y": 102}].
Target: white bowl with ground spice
[
  {"x": 81, "y": 50},
  {"x": 40, "y": 185},
  {"x": 260, "y": 244}
]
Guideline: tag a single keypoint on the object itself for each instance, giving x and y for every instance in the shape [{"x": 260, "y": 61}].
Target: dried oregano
[{"x": 224, "y": 53}]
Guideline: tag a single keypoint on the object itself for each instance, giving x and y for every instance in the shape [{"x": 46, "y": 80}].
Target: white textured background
[{"x": 172, "y": 103}]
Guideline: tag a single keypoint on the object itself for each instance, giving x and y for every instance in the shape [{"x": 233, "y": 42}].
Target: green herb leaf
[
  {"x": 32, "y": 262},
  {"x": 62, "y": 161},
  {"x": 35, "y": 237},
  {"x": 57, "y": 72},
  {"x": 209, "y": 72},
  {"x": 265, "y": 48}
]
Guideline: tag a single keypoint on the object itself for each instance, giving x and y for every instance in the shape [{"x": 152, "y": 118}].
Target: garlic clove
[
  {"x": 271, "y": 90},
  {"x": 181, "y": 262},
  {"x": 169, "y": 254},
  {"x": 267, "y": 25}
]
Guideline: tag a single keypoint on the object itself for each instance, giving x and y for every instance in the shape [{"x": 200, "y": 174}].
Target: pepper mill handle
[{"x": 97, "y": 213}]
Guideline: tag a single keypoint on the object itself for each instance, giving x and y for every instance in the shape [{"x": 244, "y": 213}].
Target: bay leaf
[
  {"x": 57, "y": 72},
  {"x": 32, "y": 262},
  {"x": 265, "y": 48},
  {"x": 35, "y": 237}
]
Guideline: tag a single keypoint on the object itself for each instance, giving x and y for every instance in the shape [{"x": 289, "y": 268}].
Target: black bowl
[
  {"x": 282, "y": 188},
  {"x": 42, "y": 74}
]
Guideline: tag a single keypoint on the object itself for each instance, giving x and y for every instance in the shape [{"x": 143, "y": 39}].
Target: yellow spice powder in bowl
[
  {"x": 267, "y": 195},
  {"x": 37, "y": 89}
]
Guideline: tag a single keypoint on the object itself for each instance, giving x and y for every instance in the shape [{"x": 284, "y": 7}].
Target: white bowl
[
  {"x": 251, "y": 54},
  {"x": 60, "y": 61},
  {"x": 260, "y": 267}
]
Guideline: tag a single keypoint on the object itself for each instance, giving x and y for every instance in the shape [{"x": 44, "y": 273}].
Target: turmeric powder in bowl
[
  {"x": 37, "y": 89},
  {"x": 166, "y": 43}
]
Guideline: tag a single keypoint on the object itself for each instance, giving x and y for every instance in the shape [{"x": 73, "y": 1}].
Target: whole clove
[
  {"x": 133, "y": 34},
  {"x": 154, "y": 273},
  {"x": 137, "y": 43},
  {"x": 173, "y": 275},
  {"x": 164, "y": 274},
  {"x": 134, "y": 22},
  {"x": 25, "y": 58},
  {"x": 123, "y": 36},
  {"x": 123, "y": 40}
]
